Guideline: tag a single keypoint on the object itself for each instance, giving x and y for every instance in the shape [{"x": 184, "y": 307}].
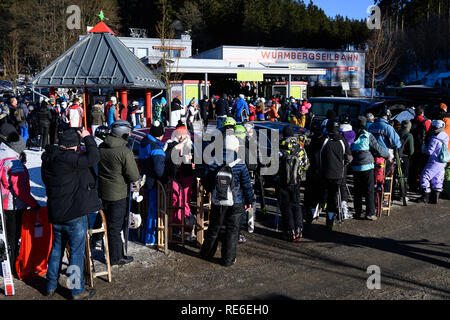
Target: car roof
[{"x": 345, "y": 99}]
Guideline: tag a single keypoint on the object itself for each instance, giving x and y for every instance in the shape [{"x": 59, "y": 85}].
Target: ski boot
[
  {"x": 289, "y": 235},
  {"x": 331, "y": 221},
  {"x": 298, "y": 234},
  {"x": 435, "y": 198},
  {"x": 425, "y": 197}
]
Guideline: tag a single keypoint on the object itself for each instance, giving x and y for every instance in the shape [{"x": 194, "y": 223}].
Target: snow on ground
[{"x": 34, "y": 168}]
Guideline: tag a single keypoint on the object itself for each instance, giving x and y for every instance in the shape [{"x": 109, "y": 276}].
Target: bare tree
[{"x": 381, "y": 55}]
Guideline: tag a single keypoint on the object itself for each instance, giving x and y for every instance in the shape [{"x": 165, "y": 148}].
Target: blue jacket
[
  {"x": 237, "y": 109},
  {"x": 363, "y": 150},
  {"x": 242, "y": 183},
  {"x": 151, "y": 160},
  {"x": 385, "y": 134},
  {"x": 112, "y": 115}
]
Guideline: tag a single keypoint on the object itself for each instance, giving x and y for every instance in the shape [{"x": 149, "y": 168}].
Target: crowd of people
[{"x": 82, "y": 177}]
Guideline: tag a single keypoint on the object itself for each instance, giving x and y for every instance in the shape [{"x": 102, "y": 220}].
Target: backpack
[
  {"x": 19, "y": 114},
  {"x": 223, "y": 193},
  {"x": 444, "y": 154},
  {"x": 35, "y": 244},
  {"x": 418, "y": 131},
  {"x": 293, "y": 162}
]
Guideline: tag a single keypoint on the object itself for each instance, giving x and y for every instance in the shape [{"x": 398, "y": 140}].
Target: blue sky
[{"x": 353, "y": 9}]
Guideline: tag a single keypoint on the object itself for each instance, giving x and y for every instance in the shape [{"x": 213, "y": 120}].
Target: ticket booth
[
  {"x": 298, "y": 89},
  {"x": 188, "y": 89}
]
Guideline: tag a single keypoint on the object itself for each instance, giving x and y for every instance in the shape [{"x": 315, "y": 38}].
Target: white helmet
[{"x": 113, "y": 100}]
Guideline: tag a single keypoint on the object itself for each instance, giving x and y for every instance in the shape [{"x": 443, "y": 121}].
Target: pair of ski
[{"x": 4, "y": 257}]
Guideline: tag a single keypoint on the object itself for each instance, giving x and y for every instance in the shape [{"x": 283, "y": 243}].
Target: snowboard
[{"x": 4, "y": 258}]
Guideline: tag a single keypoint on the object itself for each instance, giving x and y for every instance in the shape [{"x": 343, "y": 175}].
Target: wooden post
[{"x": 148, "y": 107}]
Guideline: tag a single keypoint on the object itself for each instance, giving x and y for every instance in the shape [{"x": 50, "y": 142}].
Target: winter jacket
[
  {"x": 175, "y": 170},
  {"x": 97, "y": 115},
  {"x": 273, "y": 114},
  {"x": 112, "y": 114},
  {"x": 238, "y": 110},
  {"x": 222, "y": 107},
  {"x": 242, "y": 183},
  {"x": 116, "y": 169},
  {"x": 364, "y": 148},
  {"x": 347, "y": 132},
  {"x": 433, "y": 149},
  {"x": 408, "y": 142},
  {"x": 15, "y": 181},
  {"x": 151, "y": 160},
  {"x": 70, "y": 182},
  {"x": 334, "y": 155},
  {"x": 75, "y": 116},
  {"x": 385, "y": 134},
  {"x": 252, "y": 113},
  {"x": 447, "y": 128},
  {"x": 44, "y": 116}
]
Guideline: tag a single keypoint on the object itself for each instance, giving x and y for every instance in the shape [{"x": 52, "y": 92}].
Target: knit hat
[
  {"x": 69, "y": 138},
  {"x": 16, "y": 142},
  {"x": 181, "y": 128},
  {"x": 157, "y": 129},
  {"x": 406, "y": 124},
  {"x": 443, "y": 106},
  {"x": 439, "y": 124}
]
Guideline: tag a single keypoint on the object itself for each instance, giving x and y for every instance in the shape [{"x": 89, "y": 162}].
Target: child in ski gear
[
  {"x": 116, "y": 170},
  {"x": 15, "y": 191},
  {"x": 179, "y": 170},
  {"x": 364, "y": 148},
  {"x": 241, "y": 198},
  {"x": 432, "y": 177},
  {"x": 152, "y": 165},
  {"x": 71, "y": 195},
  {"x": 293, "y": 163}
]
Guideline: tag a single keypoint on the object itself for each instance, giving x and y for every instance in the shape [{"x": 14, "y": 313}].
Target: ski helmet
[
  {"x": 240, "y": 131},
  {"x": 121, "y": 128},
  {"x": 385, "y": 112},
  {"x": 344, "y": 119},
  {"x": 229, "y": 123}
]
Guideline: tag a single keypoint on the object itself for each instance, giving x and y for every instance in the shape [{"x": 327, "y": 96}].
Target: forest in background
[{"x": 34, "y": 32}]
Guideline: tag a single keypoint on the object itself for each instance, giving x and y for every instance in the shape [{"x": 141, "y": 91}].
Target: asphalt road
[{"x": 411, "y": 247}]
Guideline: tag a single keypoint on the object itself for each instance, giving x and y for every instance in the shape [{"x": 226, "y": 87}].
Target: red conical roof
[{"x": 101, "y": 27}]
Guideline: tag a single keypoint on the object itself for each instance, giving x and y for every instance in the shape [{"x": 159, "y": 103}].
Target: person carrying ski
[
  {"x": 293, "y": 163},
  {"x": 230, "y": 198},
  {"x": 15, "y": 191},
  {"x": 152, "y": 165},
  {"x": 364, "y": 149},
  {"x": 116, "y": 170},
  {"x": 432, "y": 176},
  {"x": 71, "y": 195},
  {"x": 334, "y": 156}
]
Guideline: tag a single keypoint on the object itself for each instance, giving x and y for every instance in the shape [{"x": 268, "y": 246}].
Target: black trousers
[
  {"x": 331, "y": 187},
  {"x": 115, "y": 213},
  {"x": 228, "y": 217},
  {"x": 364, "y": 187},
  {"x": 44, "y": 132},
  {"x": 13, "y": 225},
  {"x": 291, "y": 211}
]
